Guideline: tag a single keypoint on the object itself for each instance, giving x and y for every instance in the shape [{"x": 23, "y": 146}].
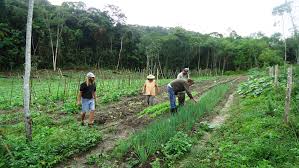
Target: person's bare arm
[
  {"x": 79, "y": 98},
  {"x": 187, "y": 89},
  {"x": 94, "y": 95}
]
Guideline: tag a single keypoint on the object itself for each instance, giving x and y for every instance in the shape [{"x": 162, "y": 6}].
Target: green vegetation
[
  {"x": 155, "y": 110},
  {"x": 72, "y": 36},
  {"x": 91, "y": 37},
  {"x": 255, "y": 86},
  {"x": 56, "y": 132},
  {"x": 54, "y": 139},
  {"x": 146, "y": 142},
  {"x": 59, "y": 93},
  {"x": 177, "y": 146},
  {"x": 255, "y": 135}
]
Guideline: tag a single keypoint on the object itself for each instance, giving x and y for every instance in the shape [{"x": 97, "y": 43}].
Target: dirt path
[
  {"x": 219, "y": 119},
  {"x": 119, "y": 120}
]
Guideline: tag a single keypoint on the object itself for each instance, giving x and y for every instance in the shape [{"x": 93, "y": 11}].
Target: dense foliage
[{"x": 72, "y": 35}]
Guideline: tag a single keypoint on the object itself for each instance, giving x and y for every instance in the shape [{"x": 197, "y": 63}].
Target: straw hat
[{"x": 150, "y": 76}]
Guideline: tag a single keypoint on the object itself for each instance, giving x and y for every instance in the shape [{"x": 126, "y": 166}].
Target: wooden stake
[
  {"x": 288, "y": 96},
  {"x": 271, "y": 71},
  {"x": 276, "y": 75}
]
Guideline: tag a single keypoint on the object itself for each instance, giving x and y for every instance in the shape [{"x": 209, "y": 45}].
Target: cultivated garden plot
[
  {"x": 56, "y": 131},
  {"x": 127, "y": 132},
  {"x": 116, "y": 130},
  {"x": 54, "y": 114},
  {"x": 82, "y": 84}
]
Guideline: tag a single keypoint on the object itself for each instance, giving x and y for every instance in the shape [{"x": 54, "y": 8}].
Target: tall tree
[
  {"x": 57, "y": 22},
  {"x": 28, "y": 120},
  {"x": 280, "y": 11}
]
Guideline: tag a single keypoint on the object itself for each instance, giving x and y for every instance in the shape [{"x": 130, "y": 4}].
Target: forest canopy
[{"x": 74, "y": 36}]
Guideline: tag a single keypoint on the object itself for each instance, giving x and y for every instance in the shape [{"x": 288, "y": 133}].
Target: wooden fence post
[
  {"x": 288, "y": 96},
  {"x": 271, "y": 71},
  {"x": 276, "y": 75}
]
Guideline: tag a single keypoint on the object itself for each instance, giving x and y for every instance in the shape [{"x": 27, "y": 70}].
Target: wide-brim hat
[{"x": 150, "y": 76}]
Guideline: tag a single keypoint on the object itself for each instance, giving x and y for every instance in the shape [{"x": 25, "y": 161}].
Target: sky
[{"x": 204, "y": 16}]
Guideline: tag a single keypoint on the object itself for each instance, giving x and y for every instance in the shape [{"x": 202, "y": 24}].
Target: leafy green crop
[
  {"x": 255, "y": 86},
  {"x": 177, "y": 146},
  {"x": 53, "y": 140}
]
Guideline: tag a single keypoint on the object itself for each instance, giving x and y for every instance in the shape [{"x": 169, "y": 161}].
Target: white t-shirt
[{"x": 182, "y": 76}]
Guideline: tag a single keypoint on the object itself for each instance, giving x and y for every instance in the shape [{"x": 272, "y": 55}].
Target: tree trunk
[
  {"x": 295, "y": 33},
  {"x": 215, "y": 61},
  {"x": 198, "y": 62},
  {"x": 28, "y": 121},
  {"x": 161, "y": 71},
  {"x": 119, "y": 54},
  {"x": 111, "y": 45},
  {"x": 58, "y": 35},
  {"x": 285, "y": 43},
  {"x": 223, "y": 67},
  {"x": 147, "y": 63},
  {"x": 35, "y": 47},
  {"x": 207, "y": 66},
  {"x": 219, "y": 65},
  {"x": 56, "y": 49},
  {"x": 52, "y": 47}
]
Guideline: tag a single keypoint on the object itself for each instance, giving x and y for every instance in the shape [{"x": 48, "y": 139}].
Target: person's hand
[{"x": 78, "y": 102}]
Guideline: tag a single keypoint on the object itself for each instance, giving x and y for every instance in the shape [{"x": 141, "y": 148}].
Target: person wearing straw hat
[
  {"x": 185, "y": 76},
  {"x": 150, "y": 89},
  {"x": 87, "y": 97}
]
